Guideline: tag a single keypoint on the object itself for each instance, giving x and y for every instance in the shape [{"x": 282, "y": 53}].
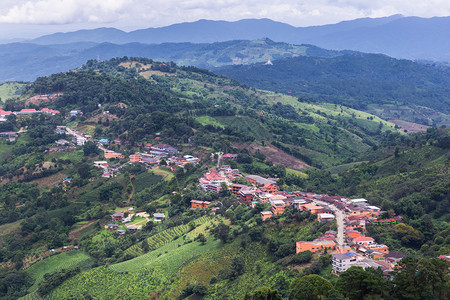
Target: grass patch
[
  {"x": 6, "y": 229},
  {"x": 296, "y": 173},
  {"x": 10, "y": 90},
  {"x": 207, "y": 120},
  {"x": 164, "y": 173}
]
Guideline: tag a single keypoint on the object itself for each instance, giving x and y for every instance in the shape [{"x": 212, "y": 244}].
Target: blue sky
[{"x": 31, "y": 18}]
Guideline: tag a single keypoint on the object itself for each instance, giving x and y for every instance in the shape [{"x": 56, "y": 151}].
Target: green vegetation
[
  {"x": 10, "y": 90},
  {"x": 226, "y": 250},
  {"x": 66, "y": 260},
  {"x": 346, "y": 80},
  {"x": 145, "y": 180}
]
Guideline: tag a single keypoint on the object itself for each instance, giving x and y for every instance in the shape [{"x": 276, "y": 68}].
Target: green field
[
  {"x": 134, "y": 279},
  {"x": 296, "y": 173},
  {"x": 66, "y": 260},
  {"x": 6, "y": 229},
  {"x": 246, "y": 125},
  {"x": 207, "y": 120},
  {"x": 145, "y": 180},
  {"x": 11, "y": 90},
  {"x": 164, "y": 173}
]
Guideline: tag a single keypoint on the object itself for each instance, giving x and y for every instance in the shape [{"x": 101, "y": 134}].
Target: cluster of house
[
  {"x": 343, "y": 261},
  {"x": 213, "y": 179},
  {"x": 359, "y": 249},
  {"x": 108, "y": 169},
  {"x": 29, "y": 111},
  {"x": 119, "y": 217},
  {"x": 26, "y": 111},
  {"x": 155, "y": 153},
  {"x": 298, "y": 200}
]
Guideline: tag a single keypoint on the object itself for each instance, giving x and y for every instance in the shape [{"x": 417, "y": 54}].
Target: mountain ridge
[{"x": 397, "y": 35}]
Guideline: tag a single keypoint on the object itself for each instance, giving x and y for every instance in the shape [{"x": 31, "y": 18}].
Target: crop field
[
  {"x": 138, "y": 278},
  {"x": 70, "y": 259},
  {"x": 145, "y": 180},
  {"x": 31, "y": 296},
  {"x": 164, "y": 237},
  {"x": 247, "y": 125}
]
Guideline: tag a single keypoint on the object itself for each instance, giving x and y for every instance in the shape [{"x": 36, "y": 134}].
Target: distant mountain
[
  {"x": 388, "y": 87},
  {"x": 22, "y": 61},
  {"x": 397, "y": 36}
]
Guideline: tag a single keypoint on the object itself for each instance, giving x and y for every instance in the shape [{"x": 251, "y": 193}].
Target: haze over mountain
[
  {"x": 397, "y": 36},
  {"x": 23, "y": 61}
]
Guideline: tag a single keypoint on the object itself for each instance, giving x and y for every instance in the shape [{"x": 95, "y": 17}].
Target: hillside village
[
  {"x": 350, "y": 246},
  {"x": 197, "y": 203}
]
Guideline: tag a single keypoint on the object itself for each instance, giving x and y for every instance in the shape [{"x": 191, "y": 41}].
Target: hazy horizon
[{"x": 27, "y": 19}]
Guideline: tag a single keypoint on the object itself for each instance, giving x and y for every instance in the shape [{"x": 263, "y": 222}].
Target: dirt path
[
  {"x": 132, "y": 189},
  {"x": 73, "y": 235}
]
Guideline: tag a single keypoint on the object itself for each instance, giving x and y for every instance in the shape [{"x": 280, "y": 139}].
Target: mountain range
[{"x": 396, "y": 36}]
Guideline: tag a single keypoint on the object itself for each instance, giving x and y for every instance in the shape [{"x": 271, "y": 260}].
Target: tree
[
  {"x": 145, "y": 247},
  {"x": 416, "y": 278},
  {"x": 201, "y": 238},
  {"x": 221, "y": 232},
  {"x": 237, "y": 266},
  {"x": 84, "y": 170},
  {"x": 357, "y": 283},
  {"x": 310, "y": 287},
  {"x": 90, "y": 148},
  {"x": 263, "y": 293}
]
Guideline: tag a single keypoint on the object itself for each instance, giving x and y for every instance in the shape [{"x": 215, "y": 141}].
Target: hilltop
[{"x": 321, "y": 134}]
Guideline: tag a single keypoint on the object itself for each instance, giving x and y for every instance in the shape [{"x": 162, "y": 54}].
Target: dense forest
[{"x": 356, "y": 79}]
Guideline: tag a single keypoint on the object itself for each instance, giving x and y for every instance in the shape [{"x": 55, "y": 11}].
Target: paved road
[{"x": 340, "y": 216}]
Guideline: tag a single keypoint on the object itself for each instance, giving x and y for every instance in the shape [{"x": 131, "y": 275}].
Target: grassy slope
[
  {"x": 70, "y": 259},
  {"x": 134, "y": 279},
  {"x": 10, "y": 90}
]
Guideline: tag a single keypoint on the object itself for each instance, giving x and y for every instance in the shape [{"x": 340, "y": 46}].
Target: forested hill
[
  {"x": 226, "y": 111},
  {"x": 364, "y": 81}
]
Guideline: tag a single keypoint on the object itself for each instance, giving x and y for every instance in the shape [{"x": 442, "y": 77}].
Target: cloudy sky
[{"x": 30, "y": 18}]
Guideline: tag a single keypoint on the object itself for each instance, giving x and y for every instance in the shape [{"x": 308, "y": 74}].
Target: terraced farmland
[
  {"x": 67, "y": 260},
  {"x": 164, "y": 237}
]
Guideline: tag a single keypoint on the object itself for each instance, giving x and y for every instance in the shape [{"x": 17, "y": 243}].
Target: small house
[
  {"x": 117, "y": 216},
  {"x": 266, "y": 215},
  {"x": 158, "y": 217},
  {"x": 113, "y": 226}
]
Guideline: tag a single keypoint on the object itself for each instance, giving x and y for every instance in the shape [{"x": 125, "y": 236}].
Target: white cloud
[
  {"x": 64, "y": 11},
  {"x": 150, "y": 13}
]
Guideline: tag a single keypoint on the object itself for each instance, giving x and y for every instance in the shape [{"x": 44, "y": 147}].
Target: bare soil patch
[
  {"x": 103, "y": 117},
  {"x": 49, "y": 180},
  {"x": 45, "y": 98},
  {"x": 410, "y": 127},
  {"x": 277, "y": 156}
]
